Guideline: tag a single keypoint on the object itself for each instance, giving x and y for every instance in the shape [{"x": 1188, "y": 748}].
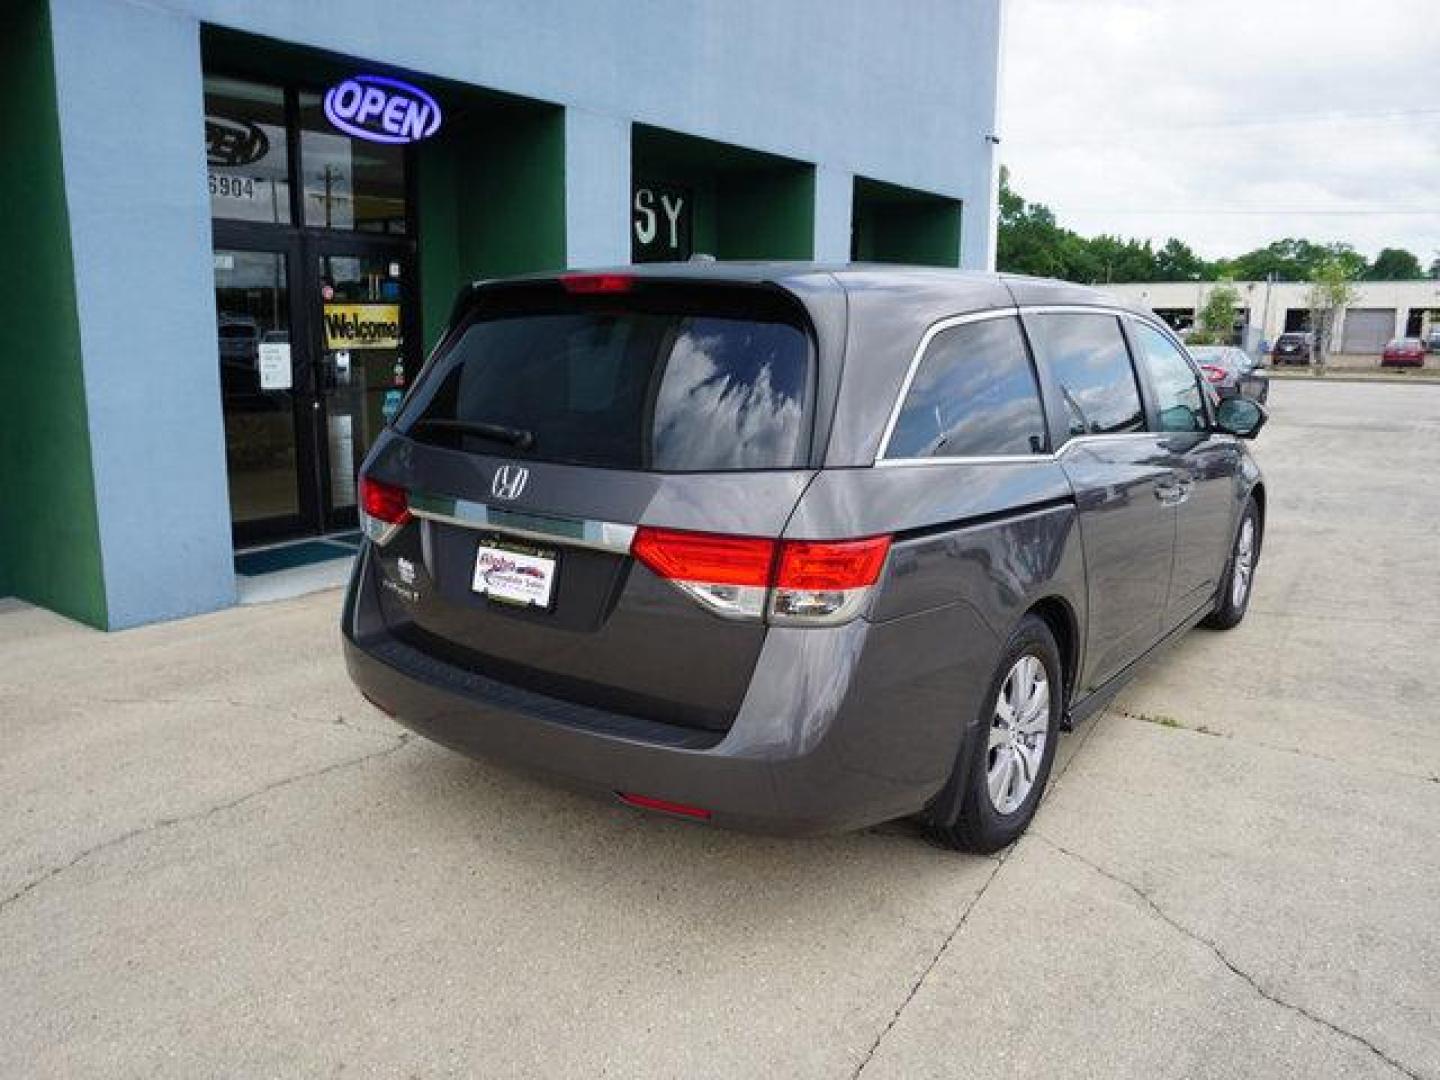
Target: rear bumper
[{"x": 842, "y": 727}]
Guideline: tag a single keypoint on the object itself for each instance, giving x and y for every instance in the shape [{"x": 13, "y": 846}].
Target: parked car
[
  {"x": 1403, "y": 352},
  {"x": 810, "y": 549},
  {"x": 1294, "y": 348},
  {"x": 1231, "y": 371}
]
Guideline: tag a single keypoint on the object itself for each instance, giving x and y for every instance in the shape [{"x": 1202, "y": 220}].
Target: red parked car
[{"x": 1404, "y": 352}]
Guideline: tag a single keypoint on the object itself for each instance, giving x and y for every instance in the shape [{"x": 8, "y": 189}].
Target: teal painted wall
[{"x": 49, "y": 532}]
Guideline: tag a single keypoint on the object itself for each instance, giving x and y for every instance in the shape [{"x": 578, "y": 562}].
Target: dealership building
[
  {"x": 1379, "y": 311},
  {"x": 241, "y": 225}
]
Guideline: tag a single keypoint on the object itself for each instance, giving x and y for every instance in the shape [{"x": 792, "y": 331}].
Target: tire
[
  {"x": 966, "y": 815},
  {"x": 1239, "y": 580}
]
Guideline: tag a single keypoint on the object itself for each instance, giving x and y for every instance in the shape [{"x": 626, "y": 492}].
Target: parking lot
[{"x": 217, "y": 859}]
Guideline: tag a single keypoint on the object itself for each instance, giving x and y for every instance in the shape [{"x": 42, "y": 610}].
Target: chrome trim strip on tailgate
[{"x": 577, "y": 532}]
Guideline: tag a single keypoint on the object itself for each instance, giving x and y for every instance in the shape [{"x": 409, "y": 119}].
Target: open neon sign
[{"x": 382, "y": 110}]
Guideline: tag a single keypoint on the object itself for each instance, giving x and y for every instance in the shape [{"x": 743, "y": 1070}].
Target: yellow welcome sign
[{"x": 362, "y": 326}]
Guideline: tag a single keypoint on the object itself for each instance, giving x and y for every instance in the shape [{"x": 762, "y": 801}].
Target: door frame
[
  {"x": 315, "y": 245},
  {"x": 302, "y": 249},
  {"x": 286, "y": 244}
]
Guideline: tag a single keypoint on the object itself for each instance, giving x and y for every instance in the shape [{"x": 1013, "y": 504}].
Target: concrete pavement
[{"x": 217, "y": 860}]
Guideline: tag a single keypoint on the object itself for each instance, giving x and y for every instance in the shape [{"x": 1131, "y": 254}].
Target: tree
[
  {"x": 1216, "y": 320},
  {"x": 1394, "y": 264},
  {"x": 1331, "y": 291},
  {"x": 1293, "y": 259},
  {"x": 1175, "y": 261},
  {"x": 1435, "y": 267}
]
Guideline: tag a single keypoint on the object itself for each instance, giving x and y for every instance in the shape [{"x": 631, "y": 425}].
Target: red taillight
[
  {"x": 1213, "y": 373},
  {"x": 716, "y": 560},
  {"x": 384, "y": 502},
  {"x": 831, "y": 565},
  {"x": 596, "y": 283},
  {"x": 646, "y": 802},
  {"x": 806, "y": 582}
]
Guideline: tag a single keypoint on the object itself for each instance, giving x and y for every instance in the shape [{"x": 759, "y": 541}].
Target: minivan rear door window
[
  {"x": 974, "y": 394},
  {"x": 665, "y": 379}
]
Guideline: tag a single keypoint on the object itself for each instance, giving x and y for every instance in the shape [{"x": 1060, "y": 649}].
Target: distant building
[{"x": 1382, "y": 309}]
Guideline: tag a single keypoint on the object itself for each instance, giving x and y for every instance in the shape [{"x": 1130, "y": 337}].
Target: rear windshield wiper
[{"x": 522, "y": 438}]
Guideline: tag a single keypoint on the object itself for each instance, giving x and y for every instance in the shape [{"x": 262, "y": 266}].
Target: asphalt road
[{"x": 217, "y": 860}]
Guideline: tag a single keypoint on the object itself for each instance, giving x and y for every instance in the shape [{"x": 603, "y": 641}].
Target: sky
[{"x": 1228, "y": 124}]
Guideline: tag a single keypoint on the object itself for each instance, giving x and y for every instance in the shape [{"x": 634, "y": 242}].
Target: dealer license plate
[{"x": 515, "y": 574}]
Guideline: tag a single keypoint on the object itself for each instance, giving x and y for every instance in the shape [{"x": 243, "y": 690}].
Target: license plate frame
[{"x": 515, "y": 574}]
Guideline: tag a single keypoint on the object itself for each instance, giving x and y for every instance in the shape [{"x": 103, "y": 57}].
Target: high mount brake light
[
  {"x": 385, "y": 509},
  {"x": 584, "y": 284},
  {"x": 795, "y": 582}
]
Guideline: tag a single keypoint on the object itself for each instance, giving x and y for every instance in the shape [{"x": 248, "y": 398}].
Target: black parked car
[
  {"x": 790, "y": 547},
  {"x": 1294, "y": 348}
]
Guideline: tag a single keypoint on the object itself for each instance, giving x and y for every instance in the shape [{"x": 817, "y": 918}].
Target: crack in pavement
[
  {"x": 182, "y": 819},
  {"x": 1158, "y": 720},
  {"x": 1090, "y": 728},
  {"x": 1219, "y": 955},
  {"x": 920, "y": 981}
]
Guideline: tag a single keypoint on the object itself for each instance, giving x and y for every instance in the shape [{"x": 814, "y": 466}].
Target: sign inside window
[
  {"x": 382, "y": 110},
  {"x": 362, "y": 326},
  {"x": 662, "y": 223},
  {"x": 246, "y": 170}
]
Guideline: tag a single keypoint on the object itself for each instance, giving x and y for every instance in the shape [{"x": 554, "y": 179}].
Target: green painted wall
[
  {"x": 900, "y": 225},
  {"x": 49, "y": 530},
  {"x": 747, "y": 204},
  {"x": 492, "y": 202},
  {"x": 767, "y": 214}
]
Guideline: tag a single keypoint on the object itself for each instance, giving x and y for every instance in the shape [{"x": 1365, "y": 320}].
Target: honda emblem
[{"x": 509, "y": 482}]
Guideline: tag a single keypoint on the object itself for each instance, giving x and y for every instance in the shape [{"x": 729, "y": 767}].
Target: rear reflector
[
  {"x": 596, "y": 283},
  {"x": 646, "y": 802}
]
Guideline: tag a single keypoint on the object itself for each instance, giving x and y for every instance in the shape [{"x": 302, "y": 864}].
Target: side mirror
[{"x": 1240, "y": 416}]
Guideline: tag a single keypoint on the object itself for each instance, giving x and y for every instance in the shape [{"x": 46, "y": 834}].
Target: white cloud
[{"x": 1229, "y": 123}]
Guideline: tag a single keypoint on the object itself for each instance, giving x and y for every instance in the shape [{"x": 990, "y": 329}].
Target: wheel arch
[
  {"x": 1057, "y": 614},
  {"x": 1257, "y": 492}
]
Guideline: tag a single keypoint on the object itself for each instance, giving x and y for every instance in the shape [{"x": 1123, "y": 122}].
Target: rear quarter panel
[{"x": 977, "y": 545}]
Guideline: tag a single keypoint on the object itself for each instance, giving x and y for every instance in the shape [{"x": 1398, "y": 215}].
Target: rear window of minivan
[{"x": 661, "y": 378}]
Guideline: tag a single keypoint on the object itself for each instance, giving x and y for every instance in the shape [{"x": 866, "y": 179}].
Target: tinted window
[
  {"x": 627, "y": 387},
  {"x": 974, "y": 394},
  {"x": 1177, "y": 390},
  {"x": 1087, "y": 357}
]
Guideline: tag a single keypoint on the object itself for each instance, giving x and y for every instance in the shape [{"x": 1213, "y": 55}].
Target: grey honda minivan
[{"x": 791, "y": 547}]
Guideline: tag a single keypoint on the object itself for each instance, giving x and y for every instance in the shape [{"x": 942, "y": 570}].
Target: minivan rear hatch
[{"x": 559, "y": 418}]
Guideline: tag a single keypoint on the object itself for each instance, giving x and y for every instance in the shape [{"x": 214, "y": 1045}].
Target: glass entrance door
[
  {"x": 258, "y": 390},
  {"x": 365, "y": 316}
]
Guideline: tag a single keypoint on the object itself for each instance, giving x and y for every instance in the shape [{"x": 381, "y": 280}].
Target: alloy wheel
[
  {"x": 1019, "y": 729},
  {"x": 1244, "y": 564}
]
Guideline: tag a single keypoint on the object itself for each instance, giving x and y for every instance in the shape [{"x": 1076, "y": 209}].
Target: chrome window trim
[
  {"x": 913, "y": 369},
  {"x": 546, "y": 528},
  {"x": 882, "y": 461},
  {"x": 1049, "y": 457}
]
